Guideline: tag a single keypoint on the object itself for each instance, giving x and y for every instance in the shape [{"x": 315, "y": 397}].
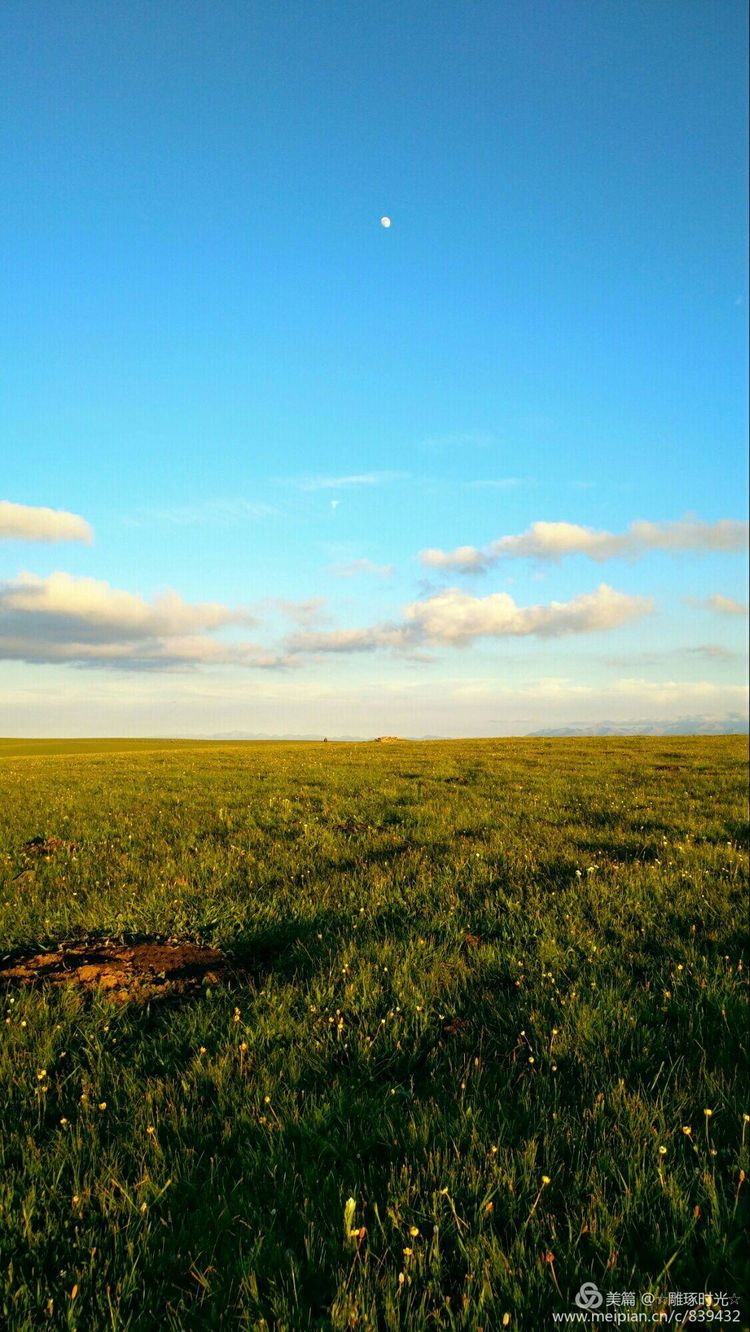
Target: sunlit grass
[{"x": 491, "y": 1046}]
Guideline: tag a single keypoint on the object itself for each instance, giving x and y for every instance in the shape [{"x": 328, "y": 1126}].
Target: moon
[{"x": 385, "y": 222}]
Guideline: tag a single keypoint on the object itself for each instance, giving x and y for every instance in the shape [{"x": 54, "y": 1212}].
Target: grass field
[{"x": 495, "y": 996}]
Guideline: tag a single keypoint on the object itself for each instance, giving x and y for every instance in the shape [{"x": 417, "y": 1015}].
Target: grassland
[{"x": 494, "y": 989}]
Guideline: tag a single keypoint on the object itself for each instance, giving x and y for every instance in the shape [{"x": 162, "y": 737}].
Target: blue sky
[{"x": 259, "y": 398}]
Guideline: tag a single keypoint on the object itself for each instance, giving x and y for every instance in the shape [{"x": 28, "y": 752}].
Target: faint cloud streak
[
  {"x": 353, "y": 481},
  {"x": 725, "y": 605},
  {"x": 355, "y": 568}
]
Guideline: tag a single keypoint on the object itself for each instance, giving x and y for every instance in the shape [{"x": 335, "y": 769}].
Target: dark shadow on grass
[
  {"x": 621, "y": 852},
  {"x": 738, "y": 830},
  {"x": 295, "y": 949},
  {"x": 358, "y": 1137}
]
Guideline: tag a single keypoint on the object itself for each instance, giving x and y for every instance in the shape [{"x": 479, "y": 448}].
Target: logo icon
[{"x": 589, "y": 1296}]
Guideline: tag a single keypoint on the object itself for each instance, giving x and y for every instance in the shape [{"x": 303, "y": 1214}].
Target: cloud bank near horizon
[{"x": 279, "y": 703}]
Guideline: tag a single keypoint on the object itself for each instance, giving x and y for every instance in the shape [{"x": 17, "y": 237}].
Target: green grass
[{"x": 373, "y": 1052}]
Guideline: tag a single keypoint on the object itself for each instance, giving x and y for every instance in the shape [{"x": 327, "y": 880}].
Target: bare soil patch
[
  {"x": 45, "y": 847},
  {"x": 136, "y": 971}
]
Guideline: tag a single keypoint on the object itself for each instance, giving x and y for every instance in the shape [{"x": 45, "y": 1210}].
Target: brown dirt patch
[
  {"x": 45, "y": 847},
  {"x": 124, "y": 971}
]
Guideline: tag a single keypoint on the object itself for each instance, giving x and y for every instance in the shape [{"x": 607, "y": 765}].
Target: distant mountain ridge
[{"x": 733, "y": 724}]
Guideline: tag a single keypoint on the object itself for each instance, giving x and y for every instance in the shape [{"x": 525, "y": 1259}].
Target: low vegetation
[{"x": 480, "y": 1038}]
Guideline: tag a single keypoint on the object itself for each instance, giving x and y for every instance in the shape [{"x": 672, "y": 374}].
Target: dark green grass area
[{"x": 512, "y": 1113}]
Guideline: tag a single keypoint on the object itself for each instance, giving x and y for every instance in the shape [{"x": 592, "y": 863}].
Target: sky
[{"x": 270, "y": 467}]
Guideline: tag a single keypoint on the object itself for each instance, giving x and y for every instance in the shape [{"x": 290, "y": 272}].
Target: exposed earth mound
[
  {"x": 125, "y": 971},
  {"x": 388, "y": 740}
]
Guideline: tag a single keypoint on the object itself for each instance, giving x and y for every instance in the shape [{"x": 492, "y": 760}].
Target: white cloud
[
  {"x": 464, "y": 559},
  {"x": 725, "y": 605},
  {"x": 354, "y": 568},
  {"x": 352, "y": 640},
  {"x": 25, "y": 522},
  {"x": 105, "y": 609},
  {"x": 553, "y": 541},
  {"x": 85, "y": 621},
  {"x": 454, "y": 618}
]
